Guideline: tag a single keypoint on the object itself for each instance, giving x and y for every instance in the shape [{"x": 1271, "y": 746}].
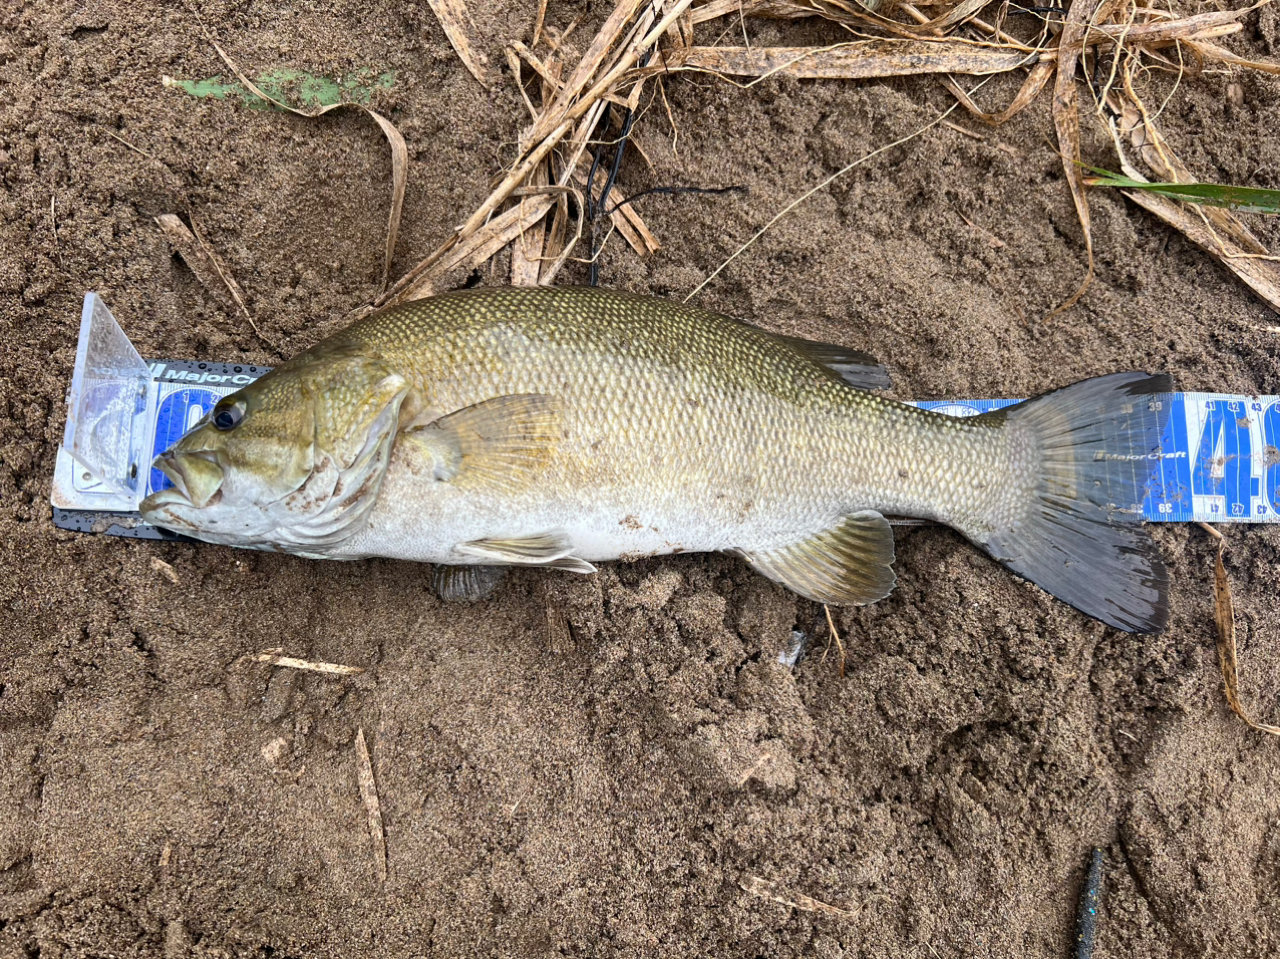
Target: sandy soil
[{"x": 628, "y": 786}]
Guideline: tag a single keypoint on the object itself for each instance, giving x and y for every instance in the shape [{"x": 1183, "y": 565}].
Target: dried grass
[
  {"x": 565, "y": 101},
  {"x": 399, "y": 153},
  {"x": 205, "y": 264},
  {"x": 530, "y": 209},
  {"x": 456, "y": 23},
  {"x": 766, "y": 889},
  {"x": 372, "y": 806}
]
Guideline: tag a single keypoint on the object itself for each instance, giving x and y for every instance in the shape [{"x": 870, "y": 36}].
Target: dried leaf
[
  {"x": 1212, "y": 51},
  {"x": 1184, "y": 28},
  {"x": 457, "y": 25},
  {"x": 477, "y": 247},
  {"x": 1036, "y": 79},
  {"x": 862, "y": 59},
  {"x": 1225, "y": 618},
  {"x": 526, "y": 249},
  {"x": 1066, "y": 119},
  {"x": 539, "y": 21},
  {"x": 573, "y": 111},
  {"x": 608, "y": 35},
  {"x": 399, "y": 154}
]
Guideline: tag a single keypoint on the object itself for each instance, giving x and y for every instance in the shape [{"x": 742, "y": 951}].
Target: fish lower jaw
[{"x": 165, "y": 497}]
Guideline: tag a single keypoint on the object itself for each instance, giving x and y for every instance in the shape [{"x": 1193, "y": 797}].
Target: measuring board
[{"x": 1219, "y": 459}]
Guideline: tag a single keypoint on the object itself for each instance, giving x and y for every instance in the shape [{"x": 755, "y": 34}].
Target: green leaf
[
  {"x": 1239, "y": 198},
  {"x": 295, "y": 87}
]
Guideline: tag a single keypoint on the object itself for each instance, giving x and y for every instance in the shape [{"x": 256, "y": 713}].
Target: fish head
[{"x": 294, "y": 461}]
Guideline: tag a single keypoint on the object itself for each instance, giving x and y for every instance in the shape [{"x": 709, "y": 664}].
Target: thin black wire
[{"x": 594, "y": 206}]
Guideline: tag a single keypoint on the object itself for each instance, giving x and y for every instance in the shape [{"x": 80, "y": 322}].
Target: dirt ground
[{"x": 642, "y": 784}]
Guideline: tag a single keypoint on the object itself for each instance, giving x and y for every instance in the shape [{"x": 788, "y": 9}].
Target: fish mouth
[{"x": 197, "y": 480}]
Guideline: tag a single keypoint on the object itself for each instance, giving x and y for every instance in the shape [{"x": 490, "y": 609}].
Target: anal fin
[
  {"x": 551, "y": 549},
  {"x": 849, "y": 564}
]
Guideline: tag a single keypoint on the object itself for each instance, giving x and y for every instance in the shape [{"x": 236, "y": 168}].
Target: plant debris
[
  {"x": 373, "y": 809},
  {"x": 205, "y": 264},
  {"x": 1225, "y": 617},
  {"x": 456, "y": 23},
  {"x": 276, "y": 658},
  {"x": 399, "y": 152},
  {"x": 1240, "y": 199},
  {"x": 763, "y": 888}
]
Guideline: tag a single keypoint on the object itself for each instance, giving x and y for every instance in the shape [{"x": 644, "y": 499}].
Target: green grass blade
[{"x": 1238, "y": 198}]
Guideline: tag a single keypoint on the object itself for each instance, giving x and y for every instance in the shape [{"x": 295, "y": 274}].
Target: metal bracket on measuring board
[{"x": 1219, "y": 460}]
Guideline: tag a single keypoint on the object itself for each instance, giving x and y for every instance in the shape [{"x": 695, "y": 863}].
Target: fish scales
[
  {"x": 566, "y": 426},
  {"x": 683, "y": 430}
]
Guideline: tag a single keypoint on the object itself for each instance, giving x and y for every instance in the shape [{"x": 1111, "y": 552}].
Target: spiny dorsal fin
[
  {"x": 852, "y": 366},
  {"x": 501, "y": 442},
  {"x": 851, "y": 563},
  {"x": 466, "y": 584},
  {"x": 551, "y": 549}
]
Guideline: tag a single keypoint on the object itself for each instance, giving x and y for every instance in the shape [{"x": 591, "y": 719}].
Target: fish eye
[{"x": 228, "y": 416}]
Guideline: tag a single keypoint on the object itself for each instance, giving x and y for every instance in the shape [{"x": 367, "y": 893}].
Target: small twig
[
  {"x": 959, "y": 129},
  {"x": 227, "y": 279},
  {"x": 758, "y": 886},
  {"x": 204, "y": 263},
  {"x": 537, "y": 24},
  {"x": 835, "y": 635},
  {"x": 369, "y": 793},
  {"x": 335, "y": 669},
  {"x": 138, "y": 150}
]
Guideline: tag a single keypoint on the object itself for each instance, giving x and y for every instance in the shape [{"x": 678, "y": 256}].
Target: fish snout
[{"x": 197, "y": 476}]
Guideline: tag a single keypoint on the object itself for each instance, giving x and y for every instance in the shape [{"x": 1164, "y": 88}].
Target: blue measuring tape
[{"x": 1218, "y": 462}]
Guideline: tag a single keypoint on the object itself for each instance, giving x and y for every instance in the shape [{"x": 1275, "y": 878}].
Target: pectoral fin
[
  {"x": 503, "y": 442},
  {"x": 851, "y": 563},
  {"x": 551, "y": 549}
]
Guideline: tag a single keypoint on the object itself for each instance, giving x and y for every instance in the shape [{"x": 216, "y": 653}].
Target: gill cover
[{"x": 356, "y": 413}]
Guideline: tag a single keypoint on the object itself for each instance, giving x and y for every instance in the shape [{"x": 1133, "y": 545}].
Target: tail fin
[{"x": 1084, "y": 455}]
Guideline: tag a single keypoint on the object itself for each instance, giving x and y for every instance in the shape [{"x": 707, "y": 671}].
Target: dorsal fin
[
  {"x": 852, "y": 366},
  {"x": 503, "y": 442},
  {"x": 850, "y": 563}
]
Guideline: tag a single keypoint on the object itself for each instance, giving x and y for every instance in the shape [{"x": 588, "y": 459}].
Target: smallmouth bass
[{"x": 564, "y": 426}]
